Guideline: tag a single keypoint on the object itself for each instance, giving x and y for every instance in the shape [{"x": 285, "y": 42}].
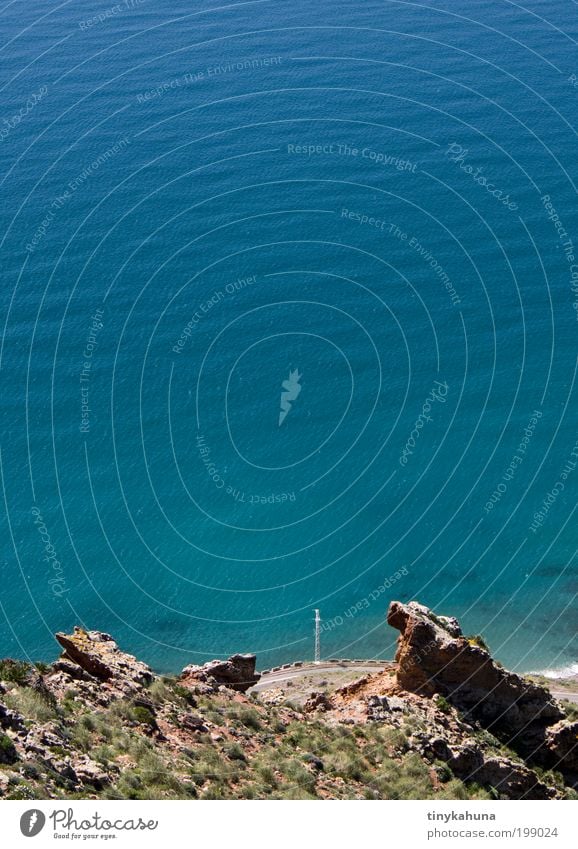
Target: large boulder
[
  {"x": 98, "y": 655},
  {"x": 237, "y": 673},
  {"x": 434, "y": 657}
]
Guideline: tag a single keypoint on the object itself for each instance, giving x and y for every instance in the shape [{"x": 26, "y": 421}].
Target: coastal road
[
  {"x": 564, "y": 694},
  {"x": 274, "y": 678}
]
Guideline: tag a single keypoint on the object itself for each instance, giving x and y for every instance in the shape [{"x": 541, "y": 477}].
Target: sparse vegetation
[
  {"x": 35, "y": 706},
  {"x": 478, "y": 640},
  {"x": 442, "y": 704},
  {"x": 144, "y": 716},
  {"x": 14, "y": 671},
  {"x": 570, "y": 709},
  {"x": 8, "y": 754}
]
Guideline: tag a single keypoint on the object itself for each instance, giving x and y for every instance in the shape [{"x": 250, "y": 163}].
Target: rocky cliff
[
  {"x": 434, "y": 657},
  {"x": 445, "y": 721}
]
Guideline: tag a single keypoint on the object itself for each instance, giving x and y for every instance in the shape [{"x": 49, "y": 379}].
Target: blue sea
[{"x": 290, "y": 322}]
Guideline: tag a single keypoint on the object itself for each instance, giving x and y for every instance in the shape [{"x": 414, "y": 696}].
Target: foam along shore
[{"x": 568, "y": 673}]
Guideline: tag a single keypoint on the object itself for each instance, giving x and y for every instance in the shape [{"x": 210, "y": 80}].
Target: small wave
[{"x": 563, "y": 672}]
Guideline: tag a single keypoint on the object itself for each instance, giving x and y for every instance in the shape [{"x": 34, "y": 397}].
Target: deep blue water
[{"x": 200, "y": 199}]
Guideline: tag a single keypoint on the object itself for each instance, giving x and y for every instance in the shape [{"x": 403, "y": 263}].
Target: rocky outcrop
[
  {"x": 98, "y": 655},
  {"x": 381, "y": 708},
  {"x": 510, "y": 779},
  {"x": 47, "y": 745},
  {"x": 10, "y": 720},
  {"x": 434, "y": 657},
  {"x": 318, "y": 701},
  {"x": 237, "y": 673},
  {"x": 562, "y": 746},
  {"x": 439, "y": 734},
  {"x": 471, "y": 763}
]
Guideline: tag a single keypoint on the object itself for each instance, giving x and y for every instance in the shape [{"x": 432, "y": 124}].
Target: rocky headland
[{"x": 445, "y": 721}]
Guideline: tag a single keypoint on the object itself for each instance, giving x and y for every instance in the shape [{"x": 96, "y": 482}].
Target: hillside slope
[{"x": 444, "y": 722}]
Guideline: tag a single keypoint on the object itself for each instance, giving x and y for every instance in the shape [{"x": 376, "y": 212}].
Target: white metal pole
[{"x": 317, "y": 637}]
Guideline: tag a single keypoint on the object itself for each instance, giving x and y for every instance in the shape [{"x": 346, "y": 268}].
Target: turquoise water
[{"x": 373, "y": 204}]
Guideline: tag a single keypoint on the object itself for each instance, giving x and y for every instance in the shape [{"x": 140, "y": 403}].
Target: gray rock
[{"x": 236, "y": 673}]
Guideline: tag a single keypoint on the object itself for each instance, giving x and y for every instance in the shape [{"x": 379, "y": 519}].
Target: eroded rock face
[
  {"x": 237, "y": 673},
  {"x": 508, "y": 778},
  {"x": 562, "y": 745},
  {"x": 98, "y": 655},
  {"x": 512, "y": 780},
  {"x": 433, "y": 657}
]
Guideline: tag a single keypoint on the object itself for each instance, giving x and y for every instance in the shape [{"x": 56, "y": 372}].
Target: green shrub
[
  {"x": 265, "y": 772},
  {"x": 234, "y": 752},
  {"x": 160, "y": 693},
  {"x": 347, "y": 764},
  {"x": 155, "y": 771},
  {"x": 8, "y": 753},
  {"x": 69, "y": 703},
  {"x": 144, "y": 716},
  {"x": 22, "y": 792},
  {"x": 249, "y": 718},
  {"x": 570, "y": 709},
  {"x": 184, "y": 694},
  {"x": 478, "y": 640},
  {"x": 214, "y": 791},
  {"x": 16, "y": 671},
  {"x": 292, "y": 791},
  {"x": 442, "y": 704},
  {"x": 295, "y": 773}
]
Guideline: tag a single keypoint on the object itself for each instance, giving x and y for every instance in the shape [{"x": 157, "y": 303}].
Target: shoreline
[{"x": 561, "y": 673}]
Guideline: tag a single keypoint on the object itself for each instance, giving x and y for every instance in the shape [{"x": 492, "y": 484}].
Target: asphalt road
[
  {"x": 564, "y": 694},
  {"x": 272, "y": 679}
]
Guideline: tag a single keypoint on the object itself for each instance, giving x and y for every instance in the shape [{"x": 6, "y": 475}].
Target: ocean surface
[{"x": 289, "y": 321}]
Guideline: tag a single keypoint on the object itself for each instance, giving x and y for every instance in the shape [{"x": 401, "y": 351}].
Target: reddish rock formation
[
  {"x": 237, "y": 673},
  {"x": 434, "y": 657},
  {"x": 98, "y": 655}
]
